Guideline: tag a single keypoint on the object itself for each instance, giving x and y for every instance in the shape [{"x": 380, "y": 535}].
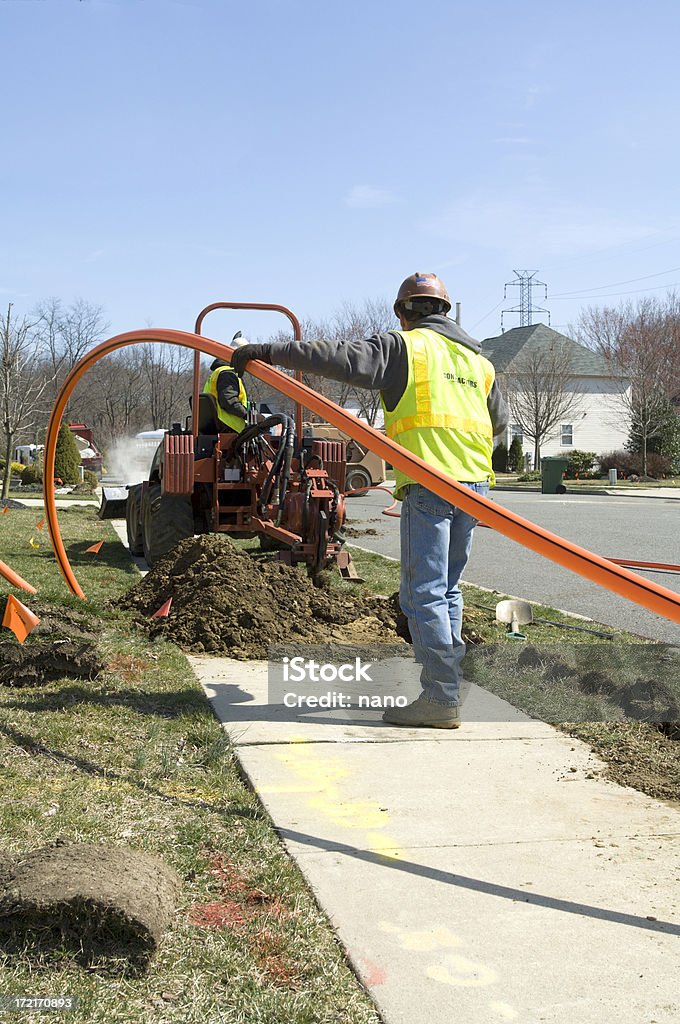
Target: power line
[
  {"x": 492, "y": 310},
  {"x": 616, "y": 295},
  {"x": 614, "y": 284}
]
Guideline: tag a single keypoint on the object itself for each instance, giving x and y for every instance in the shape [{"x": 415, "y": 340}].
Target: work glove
[{"x": 245, "y": 353}]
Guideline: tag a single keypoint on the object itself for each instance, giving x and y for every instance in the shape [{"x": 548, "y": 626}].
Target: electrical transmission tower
[{"x": 526, "y": 280}]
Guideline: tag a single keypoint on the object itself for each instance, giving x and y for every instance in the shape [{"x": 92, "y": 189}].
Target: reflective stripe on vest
[
  {"x": 236, "y": 423},
  {"x": 442, "y": 415}
]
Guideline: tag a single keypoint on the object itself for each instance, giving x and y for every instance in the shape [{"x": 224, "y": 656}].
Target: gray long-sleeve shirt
[{"x": 379, "y": 363}]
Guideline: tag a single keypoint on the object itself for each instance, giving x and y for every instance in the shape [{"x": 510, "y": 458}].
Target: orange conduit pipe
[
  {"x": 15, "y": 579},
  {"x": 600, "y": 570}
]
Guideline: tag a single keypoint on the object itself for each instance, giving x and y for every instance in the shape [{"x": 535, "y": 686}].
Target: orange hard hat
[{"x": 425, "y": 286}]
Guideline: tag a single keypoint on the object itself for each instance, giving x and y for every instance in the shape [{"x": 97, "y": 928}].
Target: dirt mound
[
  {"x": 64, "y": 643},
  {"x": 228, "y": 602},
  {"x": 90, "y": 901}
]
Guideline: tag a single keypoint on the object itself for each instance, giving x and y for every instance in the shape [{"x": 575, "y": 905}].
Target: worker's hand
[{"x": 244, "y": 354}]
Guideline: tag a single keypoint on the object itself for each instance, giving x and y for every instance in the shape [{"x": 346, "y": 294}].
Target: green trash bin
[{"x": 553, "y": 467}]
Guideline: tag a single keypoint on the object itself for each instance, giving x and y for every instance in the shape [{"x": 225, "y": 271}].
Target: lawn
[{"x": 137, "y": 758}]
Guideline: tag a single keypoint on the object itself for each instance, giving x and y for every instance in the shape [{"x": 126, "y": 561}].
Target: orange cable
[{"x": 602, "y": 571}]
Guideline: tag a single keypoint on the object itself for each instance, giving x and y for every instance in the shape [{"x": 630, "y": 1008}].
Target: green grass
[
  {"x": 137, "y": 758},
  {"x": 602, "y": 483}
]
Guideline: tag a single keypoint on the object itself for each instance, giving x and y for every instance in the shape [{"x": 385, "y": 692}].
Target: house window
[
  {"x": 516, "y": 431},
  {"x": 567, "y": 435}
]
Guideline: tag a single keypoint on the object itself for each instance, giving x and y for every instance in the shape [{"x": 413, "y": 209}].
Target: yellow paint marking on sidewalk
[
  {"x": 384, "y": 845},
  {"x": 322, "y": 781},
  {"x": 422, "y": 941},
  {"x": 292, "y": 787},
  {"x": 452, "y": 969},
  {"x": 365, "y": 814},
  {"x": 461, "y": 972},
  {"x": 504, "y": 1010}
]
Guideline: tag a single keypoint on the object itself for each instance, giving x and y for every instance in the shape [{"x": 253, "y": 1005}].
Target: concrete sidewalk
[
  {"x": 59, "y": 502},
  {"x": 479, "y": 875}
]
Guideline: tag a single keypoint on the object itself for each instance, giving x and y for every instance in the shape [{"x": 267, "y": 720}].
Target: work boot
[{"x": 424, "y": 713}]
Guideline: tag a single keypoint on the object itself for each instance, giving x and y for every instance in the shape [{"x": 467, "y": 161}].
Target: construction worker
[
  {"x": 226, "y": 387},
  {"x": 441, "y": 402}
]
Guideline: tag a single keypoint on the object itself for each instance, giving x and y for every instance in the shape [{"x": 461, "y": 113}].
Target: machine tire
[
  {"x": 133, "y": 520},
  {"x": 357, "y": 480},
  {"x": 166, "y": 520}
]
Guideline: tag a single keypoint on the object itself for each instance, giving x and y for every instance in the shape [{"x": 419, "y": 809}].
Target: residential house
[{"x": 599, "y": 420}]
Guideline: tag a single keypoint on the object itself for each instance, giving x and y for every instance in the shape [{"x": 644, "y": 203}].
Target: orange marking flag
[
  {"x": 19, "y": 618},
  {"x": 5, "y": 510},
  {"x": 39, "y": 525},
  {"x": 163, "y": 611},
  {"x": 94, "y": 549}
]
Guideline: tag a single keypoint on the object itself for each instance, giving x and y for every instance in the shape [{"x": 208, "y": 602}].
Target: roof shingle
[{"x": 504, "y": 349}]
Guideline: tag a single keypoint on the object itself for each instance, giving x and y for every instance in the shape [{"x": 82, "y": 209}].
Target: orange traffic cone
[
  {"x": 163, "y": 611},
  {"x": 19, "y": 618},
  {"x": 94, "y": 549}
]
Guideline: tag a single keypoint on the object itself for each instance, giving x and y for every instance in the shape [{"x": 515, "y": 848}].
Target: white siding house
[{"x": 598, "y": 422}]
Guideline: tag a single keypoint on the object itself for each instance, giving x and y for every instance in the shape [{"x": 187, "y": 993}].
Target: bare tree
[
  {"x": 49, "y": 316},
  {"x": 113, "y": 399},
  {"x": 541, "y": 392},
  {"x": 81, "y": 327},
  {"x": 24, "y": 379},
  {"x": 166, "y": 376},
  {"x": 354, "y": 323},
  {"x": 641, "y": 343},
  {"x": 337, "y": 391},
  {"x": 349, "y": 323},
  {"x": 67, "y": 334}
]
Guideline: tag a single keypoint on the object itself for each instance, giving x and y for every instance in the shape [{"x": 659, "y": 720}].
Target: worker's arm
[
  {"x": 378, "y": 363},
  {"x": 498, "y": 410},
  {"x": 227, "y": 395}
]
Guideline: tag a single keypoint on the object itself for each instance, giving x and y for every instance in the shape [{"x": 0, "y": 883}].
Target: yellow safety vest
[
  {"x": 442, "y": 415},
  {"x": 235, "y": 423}
]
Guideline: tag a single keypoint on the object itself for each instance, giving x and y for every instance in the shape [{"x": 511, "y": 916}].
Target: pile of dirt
[
  {"x": 225, "y": 601},
  {"x": 108, "y": 903},
  {"x": 64, "y": 643}
]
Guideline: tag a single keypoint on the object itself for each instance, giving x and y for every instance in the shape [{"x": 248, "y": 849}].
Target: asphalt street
[{"x": 615, "y": 526}]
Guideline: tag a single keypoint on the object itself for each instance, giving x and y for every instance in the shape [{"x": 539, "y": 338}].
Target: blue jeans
[{"x": 436, "y": 538}]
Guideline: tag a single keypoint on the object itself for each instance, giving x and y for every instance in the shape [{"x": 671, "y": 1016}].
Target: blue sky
[{"x": 161, "y": 156}]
